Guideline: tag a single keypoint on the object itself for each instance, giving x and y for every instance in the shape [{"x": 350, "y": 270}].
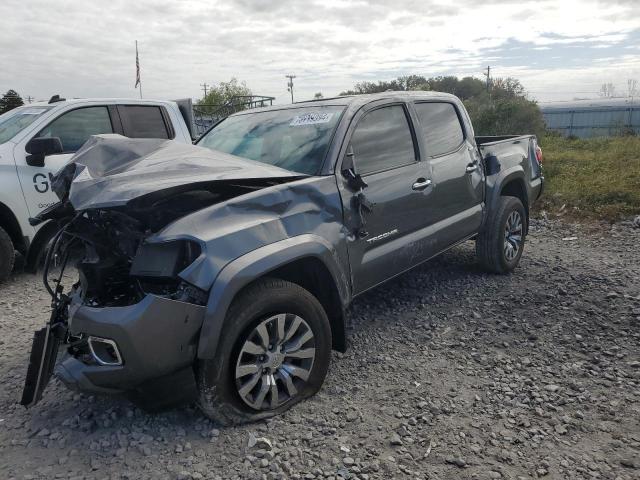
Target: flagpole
[{"x": 138, "y": 76}]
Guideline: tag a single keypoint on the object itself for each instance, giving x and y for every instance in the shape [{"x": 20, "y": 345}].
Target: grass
[{"x": 595, "y": 178}]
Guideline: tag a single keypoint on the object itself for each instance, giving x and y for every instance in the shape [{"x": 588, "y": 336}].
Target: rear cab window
[
  {"x": 145, "y": 121},
  {"x": 382, "y": 140},
  {"x": 440, "y": 127}
]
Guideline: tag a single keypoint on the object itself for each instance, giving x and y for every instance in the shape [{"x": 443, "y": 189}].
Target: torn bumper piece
[{"x": 154, "y": 338}]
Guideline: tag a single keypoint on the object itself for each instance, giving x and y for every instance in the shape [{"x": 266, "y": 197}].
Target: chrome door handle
[
  {"x": 421, "y": 184},
  {"x": 472, "y": 167}
]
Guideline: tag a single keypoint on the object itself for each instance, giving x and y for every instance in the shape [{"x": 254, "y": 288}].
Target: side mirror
[
  {"x": 349, "y": 171},
  {"x": 40, "y": 147}
]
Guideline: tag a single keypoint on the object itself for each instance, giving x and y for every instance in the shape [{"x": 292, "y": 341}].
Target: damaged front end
[
  {"x": 130, "y": 317},
  {"x": 128, "y": 298},
  {"x": 119, "y": 267}
]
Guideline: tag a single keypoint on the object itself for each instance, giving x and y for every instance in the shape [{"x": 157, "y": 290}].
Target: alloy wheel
[
  {"x": 513, "y": 236},
  {"x": 275, "y": 361}
]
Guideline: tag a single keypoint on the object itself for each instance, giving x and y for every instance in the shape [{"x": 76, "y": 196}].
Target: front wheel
[
  {"x": 7, "y": 255},
  {"x": 274, "y": 352},
  {"x": 500, "y": 244}
]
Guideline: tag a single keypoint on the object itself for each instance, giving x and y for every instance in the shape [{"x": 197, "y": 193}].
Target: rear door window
[
  {"x": 143, "y": 121},
  {"x": 440, "y": 127},
  {"x": 382, "y": 140},
  {"x": 75, "y": 127}
]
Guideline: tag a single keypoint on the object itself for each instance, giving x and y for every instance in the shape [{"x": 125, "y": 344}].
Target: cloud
[{"x": 87, "y": 48}]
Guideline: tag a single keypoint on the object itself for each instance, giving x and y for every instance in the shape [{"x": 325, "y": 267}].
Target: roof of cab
[
  {"x": 130, "y": 101},
  {"x": 358, "y": 100}
]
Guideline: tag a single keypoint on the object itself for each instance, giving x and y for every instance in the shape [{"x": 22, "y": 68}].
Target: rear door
[
  {"x": 387, "y": 157},
  {"x": 456, "y": 171}
]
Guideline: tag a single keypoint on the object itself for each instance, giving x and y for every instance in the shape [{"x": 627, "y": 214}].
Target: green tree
[
  {"x": 412, "y": 82},
  {"x": 470, "y": 87},
  {"x": 318, "y": 96},
  {"x": 503, "y": 109},
  {"x": 507, "y": 88},
  {"x": 9, "y": 101},
  {"x": 448, "y": 84},
  {"x": 225, "y": 93},
  {"x": 367, "y": 87},
  {"x": 505, "y": 116},
  {"x": 408, "y": 82}
]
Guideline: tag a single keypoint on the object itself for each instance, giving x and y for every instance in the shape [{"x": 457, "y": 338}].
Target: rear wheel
[
  {"x": 501, "y": 243},
  {"x": 7, "y": 255},
  {"x": 274, "y": 352}
]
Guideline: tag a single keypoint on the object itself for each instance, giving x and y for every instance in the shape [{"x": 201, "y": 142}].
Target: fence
[
  {"x": 204, "y": 115},
  {"x": 603, "y": 118}
]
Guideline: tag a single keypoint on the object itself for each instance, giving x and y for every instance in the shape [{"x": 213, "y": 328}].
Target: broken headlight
[
  {"x": 157, "y": 265},
  {"x": 164, "y": 260}
]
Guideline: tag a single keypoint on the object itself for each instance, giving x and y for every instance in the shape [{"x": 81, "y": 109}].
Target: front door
[
  {"x": 73, "y": 127},
  {"x": 398, "y": 187}
]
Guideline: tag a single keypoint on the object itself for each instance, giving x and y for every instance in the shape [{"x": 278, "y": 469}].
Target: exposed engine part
[
  {"x": 116, "y": 267},
  {"x": 181, "y": 291}
]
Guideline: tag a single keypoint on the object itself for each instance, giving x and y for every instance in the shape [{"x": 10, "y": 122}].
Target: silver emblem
[{"x": 382, "y": 236}]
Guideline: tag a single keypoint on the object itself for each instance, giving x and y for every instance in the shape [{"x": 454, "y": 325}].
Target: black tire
[
  {"x": 219, "y": 397},
  {"x": 7, "y": 255},
  {"x": 491, "y": 244}
]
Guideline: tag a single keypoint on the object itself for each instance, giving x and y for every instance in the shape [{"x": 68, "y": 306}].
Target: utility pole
[
  {"x": 488, "y": 75},
  {"x": 290, "y": 85},
  {"x": 29, "y": 98},
  {"x": 204, "y": 87}
]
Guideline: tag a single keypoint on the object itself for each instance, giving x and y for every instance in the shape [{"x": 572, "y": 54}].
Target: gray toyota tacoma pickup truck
[{"x": 222, "y": 272}]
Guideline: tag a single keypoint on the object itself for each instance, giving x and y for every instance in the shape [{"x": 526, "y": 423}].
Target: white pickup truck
[{"x": 36, "y": 140}]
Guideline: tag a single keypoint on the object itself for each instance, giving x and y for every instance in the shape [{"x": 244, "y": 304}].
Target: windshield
[
  {"x": 296, "y": 139},
  {"x": 16, "y": 120}
]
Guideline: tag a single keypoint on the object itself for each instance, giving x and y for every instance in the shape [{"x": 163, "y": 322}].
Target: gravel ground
[{"x": 451, "y": 373}]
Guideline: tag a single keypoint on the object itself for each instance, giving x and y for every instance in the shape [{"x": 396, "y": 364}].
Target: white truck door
[{"x": 73, "y": 127}]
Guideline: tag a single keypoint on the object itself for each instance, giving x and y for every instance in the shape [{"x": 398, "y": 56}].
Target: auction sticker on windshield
[{"x": 310, "y": 119}]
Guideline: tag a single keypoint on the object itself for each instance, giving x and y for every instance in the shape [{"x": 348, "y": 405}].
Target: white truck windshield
[
  {"x": 295, "y": 139},
  {"x": 16, "y": 120}
]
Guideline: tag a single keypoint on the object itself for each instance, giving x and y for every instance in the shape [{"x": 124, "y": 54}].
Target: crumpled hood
[{"x": 112, "y": 170}]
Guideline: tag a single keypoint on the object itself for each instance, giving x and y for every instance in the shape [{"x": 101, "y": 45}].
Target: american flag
[{"x": 137, "y": 68}]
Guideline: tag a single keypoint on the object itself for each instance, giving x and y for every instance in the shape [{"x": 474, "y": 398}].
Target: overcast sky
[{"x": 559, "y": 49}]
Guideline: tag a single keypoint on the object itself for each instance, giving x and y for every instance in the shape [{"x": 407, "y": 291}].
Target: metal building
[{"x": 593, "y": 118}]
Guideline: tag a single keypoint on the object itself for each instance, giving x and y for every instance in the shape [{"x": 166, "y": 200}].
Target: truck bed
[
  {"x": 509, "y": 151},
  {"x": 505, "y": 154},
  {"x": 483, "y": 140}
]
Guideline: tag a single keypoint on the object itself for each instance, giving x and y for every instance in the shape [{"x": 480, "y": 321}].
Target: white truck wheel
[{"x": 7, "y": 255}]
